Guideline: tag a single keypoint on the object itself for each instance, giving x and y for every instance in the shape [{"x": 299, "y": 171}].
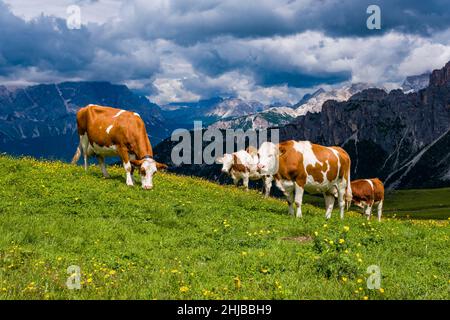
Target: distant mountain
[
  {"x": 40, "y": 120},
  {"x": 279, "y": 116},
  {"x": 264, "y": 119},
  {"x": 416, "y": 83},
  {"x": 208, "y": 111},
  {"x": 314, "y": 103},
  {"x": 307, "y": 97}
]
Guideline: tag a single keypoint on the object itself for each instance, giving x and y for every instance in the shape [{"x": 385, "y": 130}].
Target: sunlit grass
[{"x": 192, "y": 239}]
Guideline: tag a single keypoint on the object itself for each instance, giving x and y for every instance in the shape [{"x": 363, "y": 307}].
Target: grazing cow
[
  {"x": 106, "y": 132},
  {"x": 366, "y": 194},
  {"x": 299, "y": 166},
  {"x": 243, "y": 165}
]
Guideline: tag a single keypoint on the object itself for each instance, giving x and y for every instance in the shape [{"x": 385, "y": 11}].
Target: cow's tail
[{"x": 77, "y": 154}]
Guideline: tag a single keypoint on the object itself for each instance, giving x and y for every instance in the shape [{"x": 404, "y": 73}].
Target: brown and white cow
[
  {"x": 366, "y": 194},
  {"x": 299, "y": 166},
  {"x": 242, "y": 165},
  {"x": 106, "y": 132}
]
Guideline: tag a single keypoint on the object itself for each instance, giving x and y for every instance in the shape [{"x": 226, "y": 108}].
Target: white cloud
[
  {"x": 425, "y": 58},
  {"x": 91, "y": 11}
]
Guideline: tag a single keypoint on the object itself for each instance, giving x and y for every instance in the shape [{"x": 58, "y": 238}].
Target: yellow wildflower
[
  {"x": 237, "y": 283},
  {"x": 184, "y": 289}
]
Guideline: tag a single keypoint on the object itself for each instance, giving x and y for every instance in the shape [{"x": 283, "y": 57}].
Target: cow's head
[
  {"x": 268, "y": 158},
  {"x": 226, "y": 161},
  {"x": 147, "y": 168}
]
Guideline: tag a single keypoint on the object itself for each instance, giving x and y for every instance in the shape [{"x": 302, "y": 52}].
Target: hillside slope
[{"x": 189, "y": 238}]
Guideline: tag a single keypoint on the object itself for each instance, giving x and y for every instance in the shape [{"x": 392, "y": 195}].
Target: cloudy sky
[{"x": 267, "y": 50}]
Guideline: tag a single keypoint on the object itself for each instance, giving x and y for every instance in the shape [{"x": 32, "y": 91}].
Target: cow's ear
[
  {"x": 219, "y": 160},
  {"x": 136, "y": 163},
  {"x": 161, "y": 166}
]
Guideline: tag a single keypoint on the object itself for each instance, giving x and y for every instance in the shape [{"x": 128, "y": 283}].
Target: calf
[
  {"x": 106, "y": 132},
  {"x": 299, "y": 166},
  {"x": 242, "y": 165},
  {"x": 366, "y": 194}
]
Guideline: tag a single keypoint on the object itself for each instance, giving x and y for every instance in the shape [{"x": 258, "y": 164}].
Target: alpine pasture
[{"x": 192, "y": 239}]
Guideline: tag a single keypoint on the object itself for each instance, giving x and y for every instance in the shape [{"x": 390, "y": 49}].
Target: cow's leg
[
  {"x": 298, "y": 199},
  {"x": 368, "y": 211},
  {"x": 267, "y": 186},
  {"x": 101, "y": 162},
  {"x": 287, "y": 187},
  {"x": 329, "y": 203},
  {"x": 132, "y": 174},
  {"x": 289, "y": 193},
  {"x": 245, "y": 179},
  {"x": 84, "y": 143},
  {"x": 380, "y": 210},
  {"x": 123, "y": 153},
  {"x": 235, "y": 179},
  {"x": 85, "y": 158},
  {"x": 129, "y": 179},
  {"x": 290, "y": 200},
  {"x": 341, "y": 201}
]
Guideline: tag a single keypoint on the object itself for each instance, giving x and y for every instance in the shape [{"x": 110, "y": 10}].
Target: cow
[
  {"x": 299, "y": 166},
  {"x": 242, "y": 165},
  {"x": 106, "y": 132},
  {"x": 366, "y": 194}
]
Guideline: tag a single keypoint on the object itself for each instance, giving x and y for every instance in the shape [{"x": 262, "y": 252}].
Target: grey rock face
[{"x": 416, "y": 83}]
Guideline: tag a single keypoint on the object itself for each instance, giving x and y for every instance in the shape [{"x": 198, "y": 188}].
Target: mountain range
[
  {"x": 208, "y": 111},
  {"x": 400, "y": 136},
  {"x": 40, "y": 120},
  {"x": 279, "y": 116}
]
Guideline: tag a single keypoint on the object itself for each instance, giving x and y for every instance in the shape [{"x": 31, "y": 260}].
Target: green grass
[
  {"x": 192, "y": 239},
  {"x": 416, "y": 204}
]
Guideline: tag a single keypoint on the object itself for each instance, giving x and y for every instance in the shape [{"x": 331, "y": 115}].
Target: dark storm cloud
[
  {"x": 47, "y": 45},
  {"x": 266, "y": 63},
  {"x": 191, "y": 21},
  {"x": 44, "y": 43}
]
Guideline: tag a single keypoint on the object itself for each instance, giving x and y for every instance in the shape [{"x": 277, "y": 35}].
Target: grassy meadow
[
  {"x": 414, "y": 204},
  {"x": 192, "y": 239}
]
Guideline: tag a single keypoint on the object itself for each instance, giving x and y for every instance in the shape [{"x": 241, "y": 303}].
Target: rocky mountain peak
[
  {"x": 441, "y": 77},
  {"x": 416, "y": 82},
  {"x": 372, "y": 94}
]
